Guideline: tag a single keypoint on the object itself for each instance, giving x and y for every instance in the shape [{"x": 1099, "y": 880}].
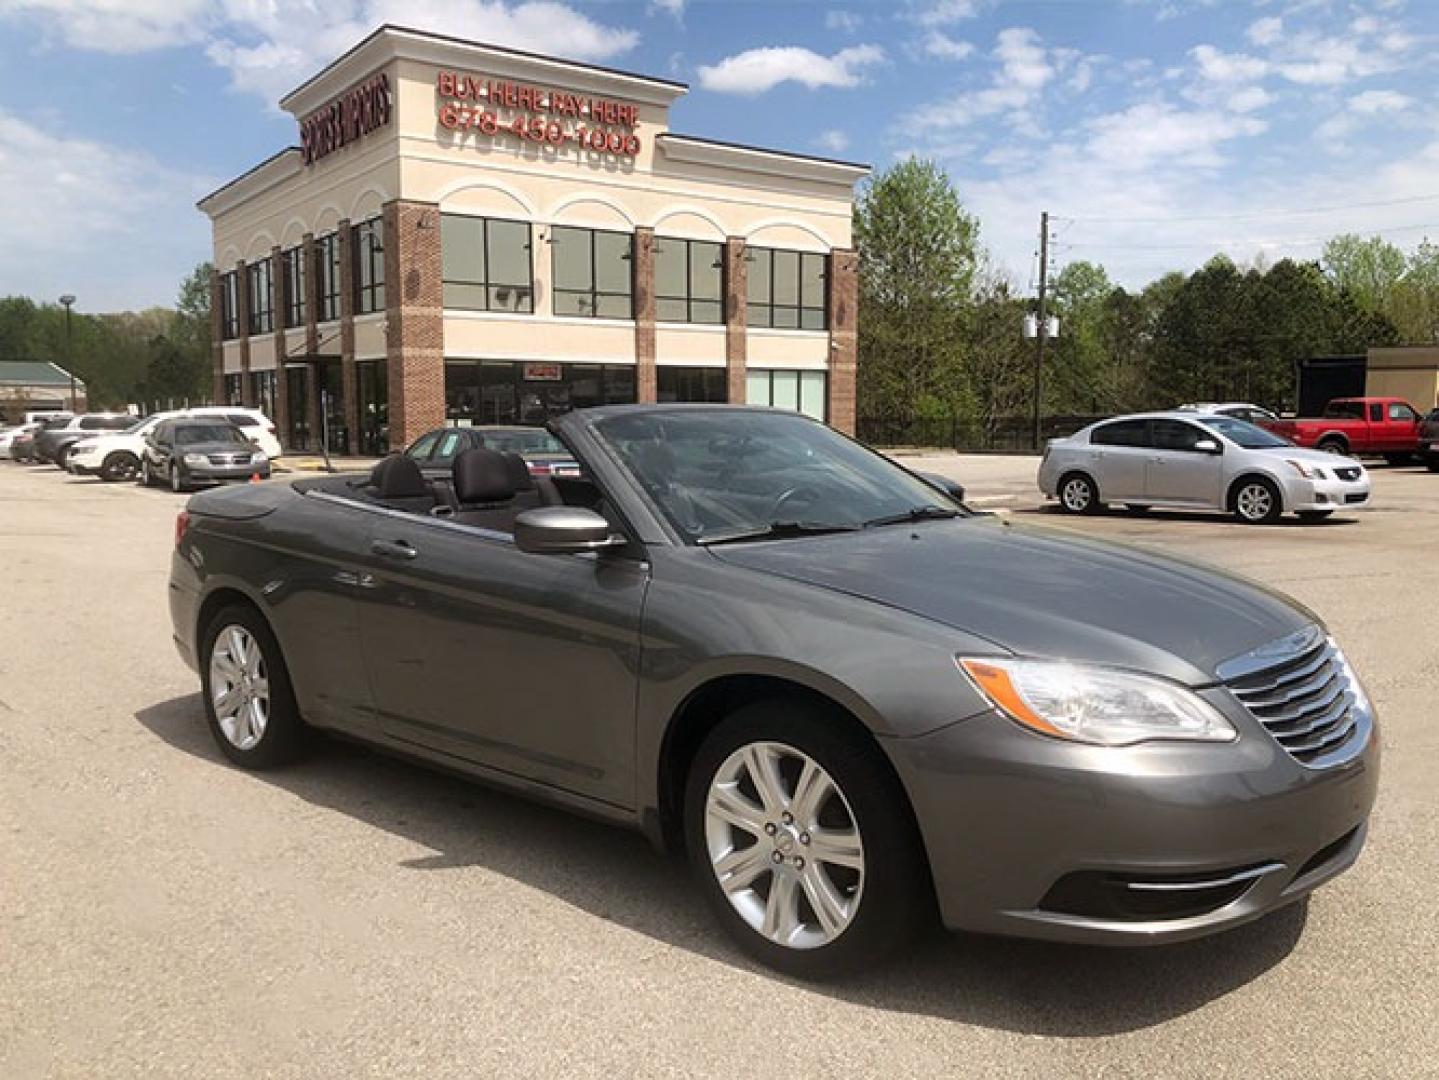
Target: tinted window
[
  {"x": 1376, "y": 413},
  {"x": 195, "y": 434},
  {"x": 106, "y": 423},
  {"x": 1121, "y": 433},
  {"x": 522, "y": 441},
  {"x": 242, "y": 419},
  {"x": 423, "y": 445},
  {"x": 1174, "y": 435},
  {"x": 1344, "y": 410}
]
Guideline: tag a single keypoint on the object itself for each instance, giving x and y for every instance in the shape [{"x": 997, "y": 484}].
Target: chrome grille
[
  {"x": 1302, "y": 690},
  {"x": 229, "y": 459}
]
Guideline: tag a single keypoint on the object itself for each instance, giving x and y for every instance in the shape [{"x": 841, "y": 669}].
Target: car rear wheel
[
  {"x": 1333, "y": 446},
  {"x": 1432, "y": 461},
  {"x": 249, "y": 703},
  {"x": 1257, "y": 502},
  {"x": 803, "y": 842},
  {"x": 119, "y": 466},
  {"x": 1079, "y": 495}
]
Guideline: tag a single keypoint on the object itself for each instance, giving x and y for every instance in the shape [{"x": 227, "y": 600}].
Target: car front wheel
[
  {"x": 249, "y": 702},
  {"x": 803, "y": 841},
  {"x": 119, "y": 466},
  {"x": 177, "y": 482},
  {"x": 1257, "y": 502}
]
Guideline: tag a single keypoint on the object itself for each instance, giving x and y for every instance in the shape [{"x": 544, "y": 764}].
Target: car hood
[
  {"x": 1046, "y": 593},
  {"x": 214, "y": 448},
  {"x": 1317, "y": 458}
]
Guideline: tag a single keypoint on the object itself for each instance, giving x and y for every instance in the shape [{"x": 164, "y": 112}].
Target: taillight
[
  {"x": 182, "y": 525},
  {"x": 539, "y": 468}
]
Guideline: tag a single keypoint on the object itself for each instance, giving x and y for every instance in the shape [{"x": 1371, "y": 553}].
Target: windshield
[
  {"x": 195, "y": 434},
  {"x": 522, "y": 441},
  {"x": 1243, "y": 433},
  {"x": 728, "y": 473}
]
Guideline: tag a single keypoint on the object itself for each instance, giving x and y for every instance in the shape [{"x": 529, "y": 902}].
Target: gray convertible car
[{"x": 853, "y": 703}]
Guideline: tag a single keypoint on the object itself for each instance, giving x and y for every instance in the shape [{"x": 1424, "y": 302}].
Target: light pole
[{"x": 68, "y": 300}]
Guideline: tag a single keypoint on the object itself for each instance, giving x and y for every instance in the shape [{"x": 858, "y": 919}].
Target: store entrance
[
  {"x": 329, "y": 384},
  {"x": 297, "y": 436}
]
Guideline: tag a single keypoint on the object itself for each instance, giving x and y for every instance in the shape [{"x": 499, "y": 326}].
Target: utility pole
[
  {"x": 68, "y": 301},
  {"x": 1042, "y": 330}
]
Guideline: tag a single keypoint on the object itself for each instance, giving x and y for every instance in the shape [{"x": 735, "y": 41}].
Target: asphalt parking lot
[{"x": 162, "y": 913}]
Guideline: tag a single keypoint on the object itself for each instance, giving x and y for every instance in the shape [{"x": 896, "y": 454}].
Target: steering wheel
[{"x": 802, "y": 493}]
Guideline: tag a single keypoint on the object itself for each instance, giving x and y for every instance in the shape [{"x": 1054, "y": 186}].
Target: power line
[{"x": 1238, "y": 241}]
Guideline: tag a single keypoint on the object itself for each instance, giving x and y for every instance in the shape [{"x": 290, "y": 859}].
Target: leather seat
[{"x": 398, "y": 483}]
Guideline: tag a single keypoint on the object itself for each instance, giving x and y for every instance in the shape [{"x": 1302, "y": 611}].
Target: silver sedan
[{"x": 1197, "y": 462}]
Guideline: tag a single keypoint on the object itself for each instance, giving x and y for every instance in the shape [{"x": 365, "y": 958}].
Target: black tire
[
  {"x": 896, "y": 897},
  {"x": 121, "y": 465},
  {"x": 147, "y": 475},
  {"x": 1247, "y": 505},
  {"x": 1432, "y": 462},
  {"x": 1333, "y": 446},
  {"x": 1071, "y": 501},
  {"x": 177, "y": 479},
  {"x": 285, "y": 733},
  {"x": 62, "y": 458},
  {"x": 1314, "y": 515}
]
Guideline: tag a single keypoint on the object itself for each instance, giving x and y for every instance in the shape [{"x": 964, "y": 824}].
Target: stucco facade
[{"x": 416, "y": 133}]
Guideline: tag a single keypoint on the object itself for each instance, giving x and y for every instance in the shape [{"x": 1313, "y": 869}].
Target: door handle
[{"x": 393, "y": 549}]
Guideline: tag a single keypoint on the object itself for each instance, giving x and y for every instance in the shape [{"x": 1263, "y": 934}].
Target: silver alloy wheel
[
  {"x": 1076, "y": 495},
  {"x": 239, "y": 686},
  {"x": 1255, "y": 502},
  {"x": 145, "y": 477},
  {"x": 784, "y": 845},
  {"x": 175, "y": 484}
]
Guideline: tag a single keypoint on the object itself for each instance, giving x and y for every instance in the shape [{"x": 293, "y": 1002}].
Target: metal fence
[{"x": 1007, "y": 435}]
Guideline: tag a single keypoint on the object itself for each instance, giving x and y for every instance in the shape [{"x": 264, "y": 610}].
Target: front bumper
[
  {"x": 82, "y": 466},
  {"x": 1164, "y": 841},
  {"x": 1327, "y": 494},
  {"x": 220, "y": 474}
]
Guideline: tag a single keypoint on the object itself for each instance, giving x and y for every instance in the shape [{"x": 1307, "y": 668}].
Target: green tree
[
  {"x": 918, "y": 259},
  {"x": 1079, "y": 370},
  {"x": 1368, "y": 268}
]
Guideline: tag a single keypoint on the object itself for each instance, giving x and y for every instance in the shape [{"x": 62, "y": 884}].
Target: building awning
[{"x": 34, "y": 373}]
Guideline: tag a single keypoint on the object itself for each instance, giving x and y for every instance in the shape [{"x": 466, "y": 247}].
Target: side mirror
[
  {"x": 563, "y": 530},
  {"x": 1208, "y": 446},
  {"x": 953, "y": 488}
]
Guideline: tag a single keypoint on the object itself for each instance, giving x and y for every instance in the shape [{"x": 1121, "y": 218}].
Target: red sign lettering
[
  {"x": 355, "y": 113},
  {"x": 468, "y": 103}
]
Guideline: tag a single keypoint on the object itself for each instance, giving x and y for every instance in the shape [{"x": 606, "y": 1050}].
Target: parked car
[
  {"x": 1364, "y": 425},
  {"x": 544, "y": 455},
  {"x": 1240, "y": 410},
  {"x": 847, "y": 698},
  {"x": 1197, "y": 461},
  {"x": 53, "y": 442},
  {"x": 8, "y": 437},
  {"x": 257, "y": 427},
  {"x": 116, "y": 456},
  {"x": 188, "y": 451},
  {"x": 1429, "y": 440}
]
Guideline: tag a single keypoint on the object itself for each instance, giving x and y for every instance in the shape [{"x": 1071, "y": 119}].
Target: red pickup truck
[{"x": 1363, "y": 425}]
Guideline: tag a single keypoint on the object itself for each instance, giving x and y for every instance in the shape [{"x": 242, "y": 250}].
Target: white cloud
[
  {"x": 1025, "y": 67},
  {"x": 117, "y": 26},
  {"x": 1265, "y": 31},
  {"x": 268, "y": 48},
  {"x": 833, "y": 140},
  {"x": 757, "y": 70},
  {"x": 1249, "y": 99},
  {"x": 943, "y": 12},
  {"x": 1379, "y": 101},
  {"x": 943, "y": 47},
  {"x": 846, "y": 21},
  {"x": 1221, "y": 67},
  {"x": 127, "y": 220},
  {"x": 1153, "y": 133},
  {"x": 669, "y": 7}
]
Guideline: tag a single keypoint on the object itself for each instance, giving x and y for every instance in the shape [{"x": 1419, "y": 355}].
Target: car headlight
[
  {"x": 258, "y": 458},
  {"x": 1094, "y": 704},
  {"x": 1309, "y": 472},
  {"x": 196, "y": 459}
]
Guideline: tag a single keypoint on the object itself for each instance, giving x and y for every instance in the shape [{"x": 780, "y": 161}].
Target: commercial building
[
  {"x": 37, "y": 386},
  {"x": 471, "y": 234}
]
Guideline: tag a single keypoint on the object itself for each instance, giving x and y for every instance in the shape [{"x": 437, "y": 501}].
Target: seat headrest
[
  {"x": 519, "y": 472},
  {"x": 482, "y": 475},
  {"x": 398, "y": 477}
]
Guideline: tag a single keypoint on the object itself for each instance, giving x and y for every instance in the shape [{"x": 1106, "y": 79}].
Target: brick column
[
  {"x": 311, "y": 254},
  {"x": 242, "y": 295},
  {"x": 414, "y": 313},
  {"x": 643, "y": 264},
  {"x": 348, "y": 375},
  {"x": 281, "y": 305},
  {"x": 217, "y": 339},
  {"x": 843, "y": 338},
  {"x": 736, "y": 319}
]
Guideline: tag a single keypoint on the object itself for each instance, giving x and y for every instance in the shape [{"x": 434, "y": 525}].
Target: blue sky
[{"x": 1156, "y": 132}]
